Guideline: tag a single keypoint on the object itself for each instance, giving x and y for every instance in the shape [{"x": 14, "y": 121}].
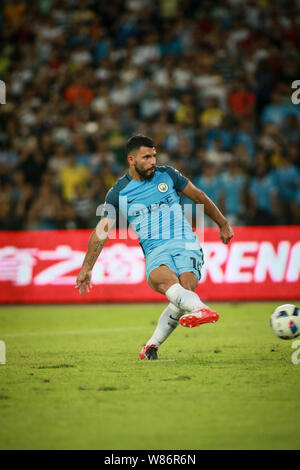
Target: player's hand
[
  {"x": 226, "y": 233},
  {"x": 83, "y": 282}
]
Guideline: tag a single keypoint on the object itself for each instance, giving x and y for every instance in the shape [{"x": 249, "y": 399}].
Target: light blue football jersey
[{"x": 151, "y": 207}]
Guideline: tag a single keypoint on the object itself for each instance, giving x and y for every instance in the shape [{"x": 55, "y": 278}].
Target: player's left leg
[
  {"x": 169, "y": 319},
  {"x": 167, "y": 323},
  {"x": 161, "y": 279}
]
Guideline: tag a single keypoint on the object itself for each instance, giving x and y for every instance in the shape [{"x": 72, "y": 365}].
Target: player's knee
[
  {"x": 161, "y": 279},
  {"x": 161, "y": 287},
  {"x": 188, "y": 282},
  {"x": 189, "y": 285}
]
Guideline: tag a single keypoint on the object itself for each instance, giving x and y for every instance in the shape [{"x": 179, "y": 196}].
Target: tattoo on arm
[
  {"x": 98, "y": 246},
  {"x": 91, "y": 260},
  {"x": 94, "y": 250}
]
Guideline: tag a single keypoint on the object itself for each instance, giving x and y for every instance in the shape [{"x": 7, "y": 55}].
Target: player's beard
[{"x": 145, "y": 174}]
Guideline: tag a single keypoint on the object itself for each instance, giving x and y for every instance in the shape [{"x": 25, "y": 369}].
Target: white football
[{"x": 285, "y": 321}]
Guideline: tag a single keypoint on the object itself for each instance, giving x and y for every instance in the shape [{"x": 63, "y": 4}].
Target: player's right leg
[
  {"x": 204, "y": 314},
  {"x": 165, "y": 281}
]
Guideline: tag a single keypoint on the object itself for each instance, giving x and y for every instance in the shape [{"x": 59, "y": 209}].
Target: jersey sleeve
[
  {"x": 179, "y": 180},
  {"x": 110, "y": 208}
]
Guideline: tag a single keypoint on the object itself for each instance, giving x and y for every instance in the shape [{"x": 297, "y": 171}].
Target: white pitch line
[
  {"x": 74, "y": 332},
  {"x": 103, "y": 330}
]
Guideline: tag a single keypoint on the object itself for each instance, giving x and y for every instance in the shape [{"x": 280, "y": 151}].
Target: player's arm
[
  {"x": 96, "y": 243},
  {"x": 210, "y": 209}
]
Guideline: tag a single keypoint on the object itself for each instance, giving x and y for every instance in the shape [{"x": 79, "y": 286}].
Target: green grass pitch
[{"x": 73, "y": 380}]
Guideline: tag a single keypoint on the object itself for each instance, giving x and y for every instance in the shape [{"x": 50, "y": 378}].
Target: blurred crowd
[{"x": 209, "y": 81}]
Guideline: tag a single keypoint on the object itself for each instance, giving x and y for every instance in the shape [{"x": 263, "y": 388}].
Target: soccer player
[{"x": 148, "y": 197}]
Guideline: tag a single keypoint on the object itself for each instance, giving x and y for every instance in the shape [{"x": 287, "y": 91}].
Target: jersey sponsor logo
[
  {"x": 143, "y": 210},
  {"x": 162, "y": 187}
]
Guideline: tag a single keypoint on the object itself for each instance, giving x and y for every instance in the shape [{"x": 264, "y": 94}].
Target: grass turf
[{"x": 73, "y": 380}]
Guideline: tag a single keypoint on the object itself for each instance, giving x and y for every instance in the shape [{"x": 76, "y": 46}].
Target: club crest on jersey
[{"x": 162, "y": 187}]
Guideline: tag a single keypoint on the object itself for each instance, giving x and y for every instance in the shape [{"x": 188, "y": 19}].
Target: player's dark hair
[{"x": 137, "y": 141}]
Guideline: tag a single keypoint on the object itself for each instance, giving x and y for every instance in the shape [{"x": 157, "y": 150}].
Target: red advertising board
[{"x": 259, "y": 263}]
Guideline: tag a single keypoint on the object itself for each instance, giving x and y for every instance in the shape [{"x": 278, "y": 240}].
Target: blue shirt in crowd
[
  {"x": 211, "y": 186},
  {"x": 288, "y": 181},
  {"x": 214, "y": 134},
  {"x": 263, "y": 189},
  {"x": 276, "y": 113},
  {"x": 231, "y": 188}
]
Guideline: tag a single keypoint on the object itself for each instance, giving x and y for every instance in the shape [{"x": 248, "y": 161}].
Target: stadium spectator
[
  {"x": 5, "y": 205},
  {"x": 212, "y": 115},
  {"x": 287, "y": 179},
  {"x": 58, "y": 160},
  {"x": 216, "y": 155},
  {"x": 44, "y": 211},
  {"x": 295, "y": 208},
  {"x": 278, "y": 110},
  {"x": 241, "y": 101},
  {"x": 32, "y": 162},
  {"x": 264, "y": 208},
  {"x": 9, "y": 158},
  {"x": 71, "y": 176},
  {"x": 233, "y": 193},
  {"x": 82, "y": 153},
  {"x": 221, "y": 134},
  {"x": 77, "y": 94},
  {"x": 14, "y": 13},
  {"x": 83, "y": 206},
  {"x": 209, "y": 182},
  {"x": 246, "y": 135},
  {"x": 290, "y": 129}
]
